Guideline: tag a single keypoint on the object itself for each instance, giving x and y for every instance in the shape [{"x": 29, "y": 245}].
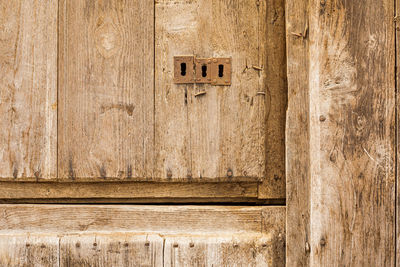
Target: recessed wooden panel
[
  {"x": 28, "y": 89},
  {"x": 106, "y": 89},
  {"x": 218, "y": 134}
]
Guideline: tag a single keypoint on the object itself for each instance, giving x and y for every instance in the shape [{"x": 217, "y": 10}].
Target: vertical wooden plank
[
  {"x": 219, "y": 133},
  {"x": 106, "y": 89},
  {"x": 111, "y": 250},
  {"x": 349, "y": 191},
  {"x": 352, "y": 91},
  {"x": 273, "y": 36},
  {"x": 28, "y": 89},
  {"x": 29, "y": 250},
  {"x": 397, "y": 205},
  {"x": 297, "y": 136},
  {"x": 174, "y": 22}
]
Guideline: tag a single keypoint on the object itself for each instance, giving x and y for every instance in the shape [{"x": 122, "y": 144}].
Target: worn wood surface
[
  {"x": 28, "y": 89},
  {"x": 106, "y": 89},
  {"x": 116, "y": 249},
  {"x": 340, "y": 130},
  {"x": 164, "y": 219},
  {"x": 220, "y": 133},
  {"x": 29, "y": 250},
  {"x": 272, "y": 35}
]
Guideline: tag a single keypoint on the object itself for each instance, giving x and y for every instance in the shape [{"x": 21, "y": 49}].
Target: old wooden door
[
  {"x": 88, "y": 95},
  {"x": 90, "y": 111}
]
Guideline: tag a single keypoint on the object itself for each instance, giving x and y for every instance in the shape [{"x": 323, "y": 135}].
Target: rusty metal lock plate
[
  {"x": 183, "y": 69},
  {"x": 221, "y": 71},
  {"x": 203, "y": 70}
]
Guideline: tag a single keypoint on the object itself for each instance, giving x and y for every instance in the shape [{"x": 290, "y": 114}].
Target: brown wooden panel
[
  {"x": 106, "y": 89},
  {"x": 341, "y": 151},
  {"x": 29, "y": 250},
  {"x": 219, "y": 134},
  {"x": 28, "y": 89},
  {"x": 117, "y": 249}
]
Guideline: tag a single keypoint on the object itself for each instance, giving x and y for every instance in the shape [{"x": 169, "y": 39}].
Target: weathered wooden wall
[{"x": 340, "y": 133}]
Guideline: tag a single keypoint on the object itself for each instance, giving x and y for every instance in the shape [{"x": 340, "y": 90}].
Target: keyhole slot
[
  {"x": 204, "y": 71},
  {"x": 183, "y": 69},
  {"x": 220, "y": 70}
]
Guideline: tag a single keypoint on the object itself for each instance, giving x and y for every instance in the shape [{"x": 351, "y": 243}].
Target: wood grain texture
[
  {"x": 272, "y": 35},
  {"x": 106, "y": 89},
  {"x": 222, "y": 131},
  {"x": 29, "y": 250},
  {"x": 150, "y": 191},
  {"x": 28, "y": 89},
  {"x": 164, "y": 219},
  {"x": 341, "y": 200},
  {"x": 117, "y": 249}
]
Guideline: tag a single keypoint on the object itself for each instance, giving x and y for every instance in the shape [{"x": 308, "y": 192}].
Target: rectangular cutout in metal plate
[
  {"x": 184, "y": 69},
  {"x": 203, "y": 70},
  {"x": 221, "y": 71}
]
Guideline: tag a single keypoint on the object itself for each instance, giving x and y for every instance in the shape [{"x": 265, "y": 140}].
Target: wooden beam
[
  {"x": 340, "y": 133},
  {"x": 127, "y": 190},
  {"x": 139, "y": 218}
]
